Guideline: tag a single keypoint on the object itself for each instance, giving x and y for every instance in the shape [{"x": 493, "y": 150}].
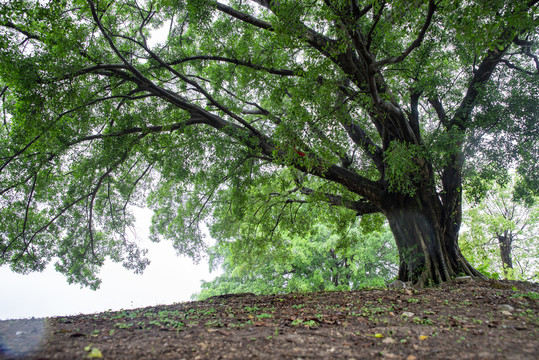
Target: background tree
[
  {"x": 317, "y": 261},
  {"x": 374, "y": 103},
  {"x": 501, "y": 235}
]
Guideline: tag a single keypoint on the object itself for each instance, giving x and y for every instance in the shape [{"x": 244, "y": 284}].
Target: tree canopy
[
  {"x": 317, "y": 250},
  {"x": 321, "y": 260},
  {"x": 387, "y": 107}
]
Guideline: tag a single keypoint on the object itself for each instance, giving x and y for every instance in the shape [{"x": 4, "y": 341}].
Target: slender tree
[
  {"x": 502, "y": 235},
  {"x": 380, "y": 106}
]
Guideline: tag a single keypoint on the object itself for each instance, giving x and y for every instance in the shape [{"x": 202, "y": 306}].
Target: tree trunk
[
  {"x": 504, "y": 241},
  {"x": 428, "y": 253}
]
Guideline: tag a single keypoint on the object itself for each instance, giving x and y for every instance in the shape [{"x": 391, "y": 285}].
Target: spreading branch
[
  {"x": 360, "y": 207},
  {"x": 415, "y": 44},
  {"x": 248, "y": 64}
]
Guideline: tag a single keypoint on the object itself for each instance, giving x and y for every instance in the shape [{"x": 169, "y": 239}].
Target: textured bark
[
  {"x": 505, "y": 240},
  {"x": 429, "y": 253}
]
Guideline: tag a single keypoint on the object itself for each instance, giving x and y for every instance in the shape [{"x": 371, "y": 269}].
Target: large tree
[{"x": 378, "y": 105}]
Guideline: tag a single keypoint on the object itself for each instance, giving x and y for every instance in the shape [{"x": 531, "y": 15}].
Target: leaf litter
[{"x": 456, "y": 321}]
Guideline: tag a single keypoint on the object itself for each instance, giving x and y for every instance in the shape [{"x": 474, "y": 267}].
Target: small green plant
[
  {"x": 213, "y": 323},
  {"x": 532, "y": 295},
  {"x": 123, "y": 325},
  {"x": 476, "y": 321},
  {"x": 251, "y": 309},
  {"x": 308, "y": 323}
]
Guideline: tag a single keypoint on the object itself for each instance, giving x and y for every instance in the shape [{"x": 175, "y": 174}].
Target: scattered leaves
[{"x": 93, "y": 352}]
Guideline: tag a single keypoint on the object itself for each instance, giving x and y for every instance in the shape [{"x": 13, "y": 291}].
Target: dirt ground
[{"x": 470, "y": 320}]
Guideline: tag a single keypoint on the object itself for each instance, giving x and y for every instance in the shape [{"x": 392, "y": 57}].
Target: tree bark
[
  {"x": 504, "y": 240},
  {"x": 429, "y": 252}
]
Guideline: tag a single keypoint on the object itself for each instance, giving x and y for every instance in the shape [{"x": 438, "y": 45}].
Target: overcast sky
[{"x": 168, "y": 279}]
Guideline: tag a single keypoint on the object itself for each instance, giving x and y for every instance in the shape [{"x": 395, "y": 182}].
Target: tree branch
[
  {"x": 413, "y": 45},
  {"x": 518, "y": 68},
  {"x": 244, "y": 17},
  {"x": 481, "y": 76},
  {"x": 414, "y": 114},
  {"x": 360, "y": 207},
  {"x": 440, "y": 111},
  {"x": 360, "y": 138},
  {"x": 199, "y": 89},
  {"x": 376, "y": 19},
  {"x": 281, "y": 72},
  {"x": 8, "y": 24}
]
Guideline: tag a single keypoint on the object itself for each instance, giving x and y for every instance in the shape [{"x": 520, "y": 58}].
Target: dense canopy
[{"x": 346, "y": 106}]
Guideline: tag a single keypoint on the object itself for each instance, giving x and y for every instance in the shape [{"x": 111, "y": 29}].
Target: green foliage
[
  {"x": 317, "y": 261},
  {"x": 499, "y": 214},
  {"x": 403, "y": 167},
  {"x": 261, "y": 121}
]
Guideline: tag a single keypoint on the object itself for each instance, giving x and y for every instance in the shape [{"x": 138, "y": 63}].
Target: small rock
[
  {"x": 506, "y": 313},
  {"x": 462, "y": 279},
  {"x": 389, "y": 340},
  {"x": 506, "y": 307},
  {"x": 407, "y": 314},
  {"x": 411, "y": 357}
]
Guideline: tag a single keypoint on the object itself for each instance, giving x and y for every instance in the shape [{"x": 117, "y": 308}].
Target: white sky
[{"x": 168, "y": 279}]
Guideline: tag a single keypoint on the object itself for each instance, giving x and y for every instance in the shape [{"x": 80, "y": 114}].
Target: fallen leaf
[
  {"x": 423, "y": 337},
  {"x": 411, "y": 357},
  {"x": 95, "y": 353},
  {"x": 378, "y": 335}
]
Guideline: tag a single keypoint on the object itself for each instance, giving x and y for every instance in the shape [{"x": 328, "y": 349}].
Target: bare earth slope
[{"x": 473, "y": 320}]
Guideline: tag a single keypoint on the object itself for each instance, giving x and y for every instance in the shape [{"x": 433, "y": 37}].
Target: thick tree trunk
[{"x": 428, "y": 253}]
